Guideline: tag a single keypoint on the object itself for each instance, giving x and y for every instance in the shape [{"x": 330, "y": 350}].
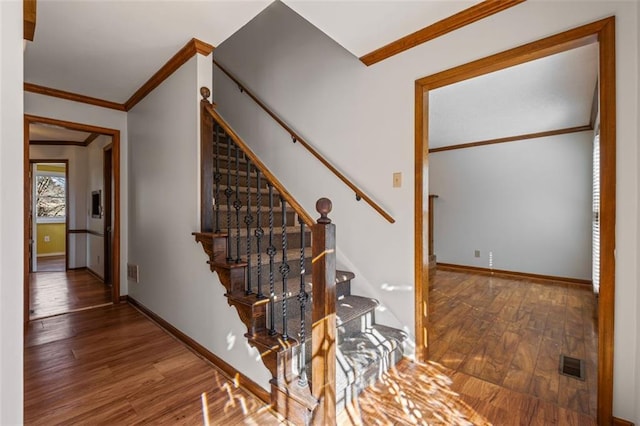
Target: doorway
[
  {"x": 603, "y": 33},
  {"x": 48, "y": 250},
  {"x": 86, "y": 149}
]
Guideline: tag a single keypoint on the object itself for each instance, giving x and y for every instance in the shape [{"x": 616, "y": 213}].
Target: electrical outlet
[
  {"x": 476, "y": 253},
  {"x": 47, "y": 238},
  {"x": 133, "y": 273},
  {"x": 397, "y": 180}
]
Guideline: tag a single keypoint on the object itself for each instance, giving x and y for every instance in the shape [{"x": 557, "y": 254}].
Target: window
[
  {"x": 50, "y": 197},
  {"x": 595, "y": 243}
]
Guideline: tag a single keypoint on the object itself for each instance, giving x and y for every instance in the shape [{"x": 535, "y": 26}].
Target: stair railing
[
  {"x": 221, "y": 153},
  {"x": 295, "y": 137}
]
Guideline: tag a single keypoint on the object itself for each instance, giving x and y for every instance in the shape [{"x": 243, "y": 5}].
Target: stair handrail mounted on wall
[
  {"x": 261, "y": 254},
  {"x": 295, "y": 137}
]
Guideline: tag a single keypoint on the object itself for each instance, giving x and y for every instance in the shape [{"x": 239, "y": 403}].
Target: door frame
[
  {"x": 66, "y": 202},
  {"x": 115, "y": 259},
  {"x": 602, "y": 32},
  {"x": 107, "y": 173}
]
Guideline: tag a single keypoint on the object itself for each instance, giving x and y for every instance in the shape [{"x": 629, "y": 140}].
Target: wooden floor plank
[
  {"x": 510, "y": 333},
  {"x": 112, "y": 365}
]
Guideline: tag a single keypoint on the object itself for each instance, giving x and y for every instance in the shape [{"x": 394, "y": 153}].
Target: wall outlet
[
  {"x": 133, "y": 273},
  {"x": 397, "y": 179},
  {"x": 476, "y": 253},
  {"x": 47, "y": 238}
]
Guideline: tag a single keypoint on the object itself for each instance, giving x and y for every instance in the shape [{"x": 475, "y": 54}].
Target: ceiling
[
  {"x": 48, "y": 132},
  {"x": 547, "y": 94},
  {"x": 108, "y": 49}
]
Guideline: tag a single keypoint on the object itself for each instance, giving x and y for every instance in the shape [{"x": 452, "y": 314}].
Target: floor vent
[{"x": 572, "y": 367}]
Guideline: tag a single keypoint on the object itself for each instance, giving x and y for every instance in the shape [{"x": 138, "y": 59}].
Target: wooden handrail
[
  {"x": 306, "y": 217},
  {"x": 297, "y": 138}
]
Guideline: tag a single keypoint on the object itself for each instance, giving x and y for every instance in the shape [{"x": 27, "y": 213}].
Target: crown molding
[
  {"x": 517, "y": 138},
  {"x": 28, "y": 19},
  {"x": 48, "y": 91},
  {"x": 193, "y": 47},
  {"x": 442, "y": 27},
  {"x": 187, "y": 52}
]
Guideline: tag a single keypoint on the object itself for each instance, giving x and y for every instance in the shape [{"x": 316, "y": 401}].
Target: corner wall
[
  {"x": 175, "y": 280},
  {"x": 362, "y": 119},
  {"x": 11, "y": 213}
]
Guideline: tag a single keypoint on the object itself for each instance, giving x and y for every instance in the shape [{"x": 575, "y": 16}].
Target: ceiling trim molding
[
  {"x": 548, "y": 133},
  {"x": 193, "y": 47},
  {"x": 55, "y": 142},
  {"x": 48, "y": 91},
  {"x": 92, "y": 137},
  {"x": 442, "y": 27},
  {"x": 28, "y": 19},
  {"x": 189, "y": 50}
]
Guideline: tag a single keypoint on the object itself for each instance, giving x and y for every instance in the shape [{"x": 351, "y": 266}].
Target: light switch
[{"x": 397, "y": 180}]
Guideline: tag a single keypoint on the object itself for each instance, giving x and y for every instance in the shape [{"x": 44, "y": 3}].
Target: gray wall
[{"x": 528, "y": 203}]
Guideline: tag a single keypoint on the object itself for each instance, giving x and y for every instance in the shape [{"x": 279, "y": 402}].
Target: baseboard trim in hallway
[{"x": 226, "y": 369}]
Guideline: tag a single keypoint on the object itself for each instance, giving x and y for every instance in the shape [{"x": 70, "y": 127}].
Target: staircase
[{"x": 261, "y": 243}]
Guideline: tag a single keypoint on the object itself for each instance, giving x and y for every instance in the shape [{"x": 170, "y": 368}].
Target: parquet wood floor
[
  {"x": 53, "y": 293},
  {"x": 112, "y": 365},
  {"x": 502, "y": 334}
]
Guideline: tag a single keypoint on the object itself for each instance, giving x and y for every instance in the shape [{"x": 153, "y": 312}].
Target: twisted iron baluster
[
  {"x": 237, "y": 204},
  {"x": 248, "y": 220},
  {"x": 303, "y": 297},
  {"x": 217, "y": 177},
  {"x": 284, "y": 269},
  {"x": 271, "y": 251},
  {"x": 259, "y": 232},
  {"x": 228, "y": 192}
]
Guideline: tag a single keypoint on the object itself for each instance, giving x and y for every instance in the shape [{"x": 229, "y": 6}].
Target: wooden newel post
[
  {"x": 324, "y": 315},
  {"x": 206, "y": 163}
]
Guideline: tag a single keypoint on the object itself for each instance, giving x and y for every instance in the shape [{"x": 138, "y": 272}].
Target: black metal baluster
[
  {"x": 271, "y": 251},
  {"x": 303, "y": 298},
  {"x": 217, "y": 177},
  {"x": 248, "y": 220},
  {"x": 284, "y": 269},
  {"x": 259, "y": 233},
  {"x": 228, "y": 192},
  {"x": 237, "y": 204}
]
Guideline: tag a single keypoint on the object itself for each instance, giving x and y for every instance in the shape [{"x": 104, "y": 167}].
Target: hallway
[{"x": 54, "y": 293}]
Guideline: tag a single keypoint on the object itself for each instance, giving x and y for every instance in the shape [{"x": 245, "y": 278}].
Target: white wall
[
  {"x": 11, "y": 213},
  {"x": 528, "y": 203},
  {"x": 175, "y": 280},
  {"x": 61, "y": 109},
  {"x": 77, "y": 208},
  {"x": 361, "y": 118}
]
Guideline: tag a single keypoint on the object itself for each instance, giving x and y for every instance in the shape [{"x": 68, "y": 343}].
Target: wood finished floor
[
  {"x": 504, "y": 338},
  {"x": 51, "y": 264},
  {"x": 53, "y": 293},
  {"x": 112, "y": 365}
]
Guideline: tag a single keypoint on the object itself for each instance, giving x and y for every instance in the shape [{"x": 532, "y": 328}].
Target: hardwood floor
[
  {"x": 51, "y": 264},
  {"x": 53, "y": 293},
  {"x": 112, "y": 365},
  {"x": 505, "y": 337}
]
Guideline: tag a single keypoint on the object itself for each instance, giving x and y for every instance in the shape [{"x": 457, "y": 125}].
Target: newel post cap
[
  {"x": 324, "y": 206},
  {"x": 205, "y": 93}
]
